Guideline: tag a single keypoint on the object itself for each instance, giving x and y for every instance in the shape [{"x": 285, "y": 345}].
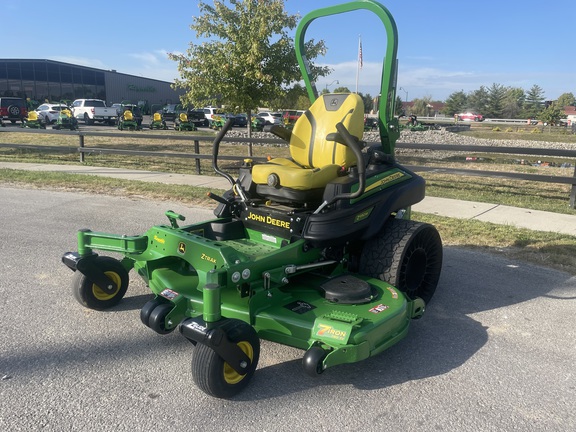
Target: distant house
[{"x": 570, "y": 112}]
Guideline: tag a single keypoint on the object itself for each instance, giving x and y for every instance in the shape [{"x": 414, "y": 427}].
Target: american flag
[{"x": 360, "y": 62}]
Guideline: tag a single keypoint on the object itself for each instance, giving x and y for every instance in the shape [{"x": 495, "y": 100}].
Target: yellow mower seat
[
  {"x": 183, "y": 117},
  {"x": 66, "y": 112},
  {"x": 128, "y": 115},
  {"x": 32, "y": 116},
  {"x": 315, "y": 161},
  {"x": 157, "y": 117}
]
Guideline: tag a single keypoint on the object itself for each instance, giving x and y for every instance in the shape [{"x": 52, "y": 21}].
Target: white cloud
[
  {"x": 145, "y": 57},
  {"x": 82, "y": 61}
]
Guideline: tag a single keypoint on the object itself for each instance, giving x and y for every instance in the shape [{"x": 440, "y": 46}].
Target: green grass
[
  {"x": 542, "y": 248},
  {"x": 105, "y": 185},
  {"x": 549, "y": 249},
  {"x": 521, "y": 132}
]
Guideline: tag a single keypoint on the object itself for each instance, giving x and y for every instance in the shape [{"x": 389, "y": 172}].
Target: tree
[
  {"x": 420, "y": 107},
  {"x": 566, "y": 99},
  {"x": 248, "y": 58},
  {"x": 552, "y": 114},
  {"x": 399, "y": 108},
  {"x": 479, "y": 100},
  {"x": 291, "y": 98},
  {"x": 341, "y": 90},
  {"x": 513, "y": 102},
  {"x": 495, "y": 103},
  {"x": 455, "y": 103},
  {"x": 534, "y": 103},
  {"x": 368, "y": 102}
]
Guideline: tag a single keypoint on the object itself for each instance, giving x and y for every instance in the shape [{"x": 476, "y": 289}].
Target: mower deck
[{"x": 281, "y": 289}]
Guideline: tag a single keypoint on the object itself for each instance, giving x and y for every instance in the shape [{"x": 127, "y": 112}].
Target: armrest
[
  {"x": 279, "y": 131},
  {"x": 336, "y": 136}
]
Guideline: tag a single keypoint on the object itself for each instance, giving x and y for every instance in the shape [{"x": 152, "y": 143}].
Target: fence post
[
  {"x": 197, "y": 151},
  {"x": 81, "y": 139},
  {"x": 573, "y": 192}
]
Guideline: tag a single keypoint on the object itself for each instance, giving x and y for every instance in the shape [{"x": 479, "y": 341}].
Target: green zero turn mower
[
  {"x": 66, "y": 120},
  {"x": 33, "y": 121},
  {"x": 158, "y": 121},
  {"x": 315, "y": 251},
  {"x": 183, "y": 123}
]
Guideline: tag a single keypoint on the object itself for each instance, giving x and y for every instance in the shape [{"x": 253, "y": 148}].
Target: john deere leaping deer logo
[{"x": 182, "y": 247}]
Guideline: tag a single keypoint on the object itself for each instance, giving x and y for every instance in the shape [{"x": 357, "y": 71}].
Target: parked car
[
  {"x": 290, "y": 116},
  {"x": 270, "y": 118},
  {"x": 210, "y": 112},
  {"x": 13, "y": 109},
  {"x": 93, "y": 110},
  {"x": 50, "y": 112},
  {"x": 240, "y": 120},
  {"x": 196, "y": 116},
  {"x": 470, "y": 116}
]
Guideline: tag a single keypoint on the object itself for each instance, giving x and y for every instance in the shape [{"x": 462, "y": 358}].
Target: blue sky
[{"x": 444, "y": 46}]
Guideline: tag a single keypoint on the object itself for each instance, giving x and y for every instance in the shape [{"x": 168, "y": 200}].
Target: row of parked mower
[
  {"x": 65, "y": 120},
  {"x": 126, "y": 121},
  {"x": 129, "y": 122}
]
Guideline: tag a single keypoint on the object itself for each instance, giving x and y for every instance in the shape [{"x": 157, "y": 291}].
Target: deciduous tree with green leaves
[
  {"x": 244, "y": 56},
  {"x": 341, "y": 89},
  {"x": 421, "y": 107},
  {"x": 566, "y": 99},
  {"x": 399, "y": 107},
  {"x": 552, "y": 114}
]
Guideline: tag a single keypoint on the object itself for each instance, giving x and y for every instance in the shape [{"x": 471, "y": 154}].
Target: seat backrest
[
  {"x": 32, "y": 116},
  {"x": 183, "y": 117},
  {"x": 128, "y": 115},
  {"x": 157, "y": 117},
  {"x": 66, "y": 112},
  {"x": 308, "y": 144}
]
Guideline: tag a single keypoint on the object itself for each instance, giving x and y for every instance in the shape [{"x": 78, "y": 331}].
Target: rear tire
[
  {"x": 14, "y": 111},
  {"x": 407, "y": 255}
]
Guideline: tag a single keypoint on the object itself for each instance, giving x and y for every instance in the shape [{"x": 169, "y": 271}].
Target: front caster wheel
[
  {"x": 157, "y": 319},
  {"x": 312, "y": 361},
  {"x": 91, "y": 295},
  {"x": 216, "y": 377},
  {"x": 147, "y": 310}
]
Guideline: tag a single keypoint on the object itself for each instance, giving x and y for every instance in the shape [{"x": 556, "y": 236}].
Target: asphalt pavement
[
  {"x": 486, "y": 212},
  {"x": 495, "y": 350}
]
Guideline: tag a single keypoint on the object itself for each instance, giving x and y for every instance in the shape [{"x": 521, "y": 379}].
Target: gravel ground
[{"x": 440, "y": 137}]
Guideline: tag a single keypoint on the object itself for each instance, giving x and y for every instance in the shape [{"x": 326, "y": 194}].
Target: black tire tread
[
  {"x": 207, "y": 365},
  {"x": 383, "y": 256},
  {"x": 82, "y": 286}
]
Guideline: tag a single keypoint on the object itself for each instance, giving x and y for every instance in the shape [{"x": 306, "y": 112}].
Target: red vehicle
[
  {"x": 13, "y": 109},
  {"x": 470, "y": 116},
  {"x": 290, "y": 116}
]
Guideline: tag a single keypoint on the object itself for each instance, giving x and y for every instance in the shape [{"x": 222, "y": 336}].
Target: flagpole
[{"x": 359, "y": 63}]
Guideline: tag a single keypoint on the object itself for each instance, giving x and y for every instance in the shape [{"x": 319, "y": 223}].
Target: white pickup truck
[{"x": 93, "y": 110}]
